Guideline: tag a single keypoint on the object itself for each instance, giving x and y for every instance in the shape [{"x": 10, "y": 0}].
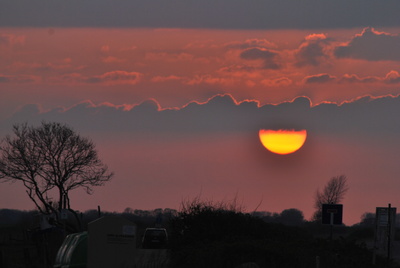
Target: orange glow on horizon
[{"x": 282, "y": 141}]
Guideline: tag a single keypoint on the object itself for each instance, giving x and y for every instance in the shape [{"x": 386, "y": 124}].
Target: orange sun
[{"x": 282, "y": 141}]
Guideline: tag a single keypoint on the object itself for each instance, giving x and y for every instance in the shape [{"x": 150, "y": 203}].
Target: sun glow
[{"x": 282, "y": 141}]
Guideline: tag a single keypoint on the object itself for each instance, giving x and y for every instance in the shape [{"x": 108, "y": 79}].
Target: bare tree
[
  {"x": 51, "y": 160},
  {"x": 333, "y": 193}
]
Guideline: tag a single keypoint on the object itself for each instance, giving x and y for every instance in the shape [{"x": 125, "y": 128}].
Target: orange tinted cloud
[
  {"x": 116, "y": 77},
  {"x": 353, "y": 78},
  {"x": 109, "y": 78},
  {"x": 160, "y": 79},
  {"x": 251, "y": 43},
  {"x": 393, "y": 77},
  {"x": 282, "y": 81},
  {"x": 199, "y": 64}
]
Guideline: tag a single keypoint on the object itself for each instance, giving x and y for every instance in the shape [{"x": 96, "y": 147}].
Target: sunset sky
[{"x": 174, "y": 94}]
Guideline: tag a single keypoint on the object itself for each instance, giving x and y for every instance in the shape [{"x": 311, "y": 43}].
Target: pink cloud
[
  {"x": 393, "y": 77},
  {"x": 251, "y": 43},
  {"x": 353, "y": 78},
  {"x": 313, "y": 51},
  {"x": 282, "y": 81},
  {"x": 169, "y": 57},
  {"x": 158, "y": 79},
  {"x": 315, "y": 37},
  {"x": 319, "y": 78},
  {"x": 116, "y": 77},
  {"x": 208, "y": 79},
  {"x": 111, "y": 59},
  {"x": 105, "y": 48},
  {"x": 109, "y": 78},
  {"x": 239, "y": 71}
]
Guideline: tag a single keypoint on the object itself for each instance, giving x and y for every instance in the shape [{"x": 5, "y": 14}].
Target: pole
[
  {"x": 331, "y": 225},
  {"x": 389, "y": 235}
]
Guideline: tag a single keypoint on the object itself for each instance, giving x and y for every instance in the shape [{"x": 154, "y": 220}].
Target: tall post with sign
[
  {"x": 332, "y": 214},
  {"x": 384, "y": 230}
]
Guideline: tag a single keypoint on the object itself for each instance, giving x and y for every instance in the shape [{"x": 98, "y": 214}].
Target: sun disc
[{"x": 282, "y": 141}]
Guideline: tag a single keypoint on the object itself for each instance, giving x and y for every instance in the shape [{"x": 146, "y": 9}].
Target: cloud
[
  {"x": 393, "y": 77},
  {"x": 282, "y": 81},
  {"x": 105, "y": 48},
  {"x": 116, "y": 77},
  {"x": 239, "y": 71},
  {"x": 208, "y": 79},
  {"x": 353, "y": 78},
  {"x": 224, "y": 14},
  {"x": 319, "y": 78},
  {"x": 160, "y": 79},
  {"x": 169, "y": 57},
  {"x": 19, "y": 78},
  {"x": 251, "y": 43},
  {"x": 111, "y": 59},
  {"x": 215, "y": 144},
  {"x": 8, "y": 40},
  {"x": 371, "y": 45},
  {"x": 108, "y": 78},
  {"x": 224, "y": 114},
  {"x": 267, "y": 56},
  {"x": 313, "y": 50}
]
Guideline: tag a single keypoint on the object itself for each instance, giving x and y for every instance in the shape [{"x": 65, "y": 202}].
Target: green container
[{"x": 73, "y": 252}]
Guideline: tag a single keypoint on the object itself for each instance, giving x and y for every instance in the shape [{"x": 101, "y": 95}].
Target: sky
[{"x": 173, "y": 93}]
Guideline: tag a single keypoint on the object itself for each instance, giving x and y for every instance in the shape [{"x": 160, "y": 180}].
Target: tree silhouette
[
  {"x": 333, "y": 193},
  {"x": 50, "y": 160},
  {"x": 291, "y": 216}
]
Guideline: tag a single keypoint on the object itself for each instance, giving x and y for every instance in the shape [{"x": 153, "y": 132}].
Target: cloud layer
[
  {"x": 223, "y": 114},
  {"x": 371, "y": 45},
  {"x": 261, "y": 14}
]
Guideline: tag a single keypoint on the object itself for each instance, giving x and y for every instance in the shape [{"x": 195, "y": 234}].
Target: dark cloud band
[{"x": 222, "y": 14}]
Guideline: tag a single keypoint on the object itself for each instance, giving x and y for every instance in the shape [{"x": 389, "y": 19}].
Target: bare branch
[
  {"x": 333, "y": 193},
  {"x": 51, "y": 157}
]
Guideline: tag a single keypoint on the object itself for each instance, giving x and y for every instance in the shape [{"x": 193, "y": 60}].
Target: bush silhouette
[{"x": 205, "y": 235}]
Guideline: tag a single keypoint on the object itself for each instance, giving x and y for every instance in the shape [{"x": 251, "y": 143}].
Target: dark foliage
[{"x": 206, "y": 236}]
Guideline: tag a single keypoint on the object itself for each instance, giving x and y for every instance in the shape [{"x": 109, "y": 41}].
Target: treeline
[
  {"x": 159, "y": 216},
  {"x": 34, "y": 219}
]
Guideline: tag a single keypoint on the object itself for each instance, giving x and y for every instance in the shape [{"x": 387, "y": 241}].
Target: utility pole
[{"x": 389, "y": 233}]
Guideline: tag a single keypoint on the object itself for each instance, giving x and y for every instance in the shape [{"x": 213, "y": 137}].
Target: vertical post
[
  {"x": 374, "y": 251},
  {"x": 2, "y": 262},
  {"x": 389, "y": 230},
  {"x": 331, "y": 222},
  {"x": 317, "y": 261},
  {"x": 98, "y": 211}
]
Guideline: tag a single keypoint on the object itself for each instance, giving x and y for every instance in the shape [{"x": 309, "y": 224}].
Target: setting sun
[{"x": 282, "y": 141}]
